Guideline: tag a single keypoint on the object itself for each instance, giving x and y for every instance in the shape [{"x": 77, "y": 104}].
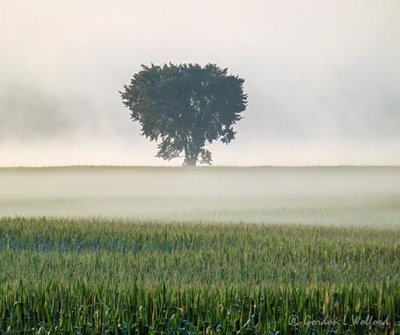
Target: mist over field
[
  {"x": 322, "y": 78},
  {"x": 320, "y": 196},
  {"x": 294, "y": 230}
]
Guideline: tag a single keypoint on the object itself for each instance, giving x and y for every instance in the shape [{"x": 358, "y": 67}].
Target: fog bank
[{"x": 318, "y": 196}]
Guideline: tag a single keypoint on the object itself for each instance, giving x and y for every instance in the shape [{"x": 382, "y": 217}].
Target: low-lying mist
[{"x": 321, "y": 196}]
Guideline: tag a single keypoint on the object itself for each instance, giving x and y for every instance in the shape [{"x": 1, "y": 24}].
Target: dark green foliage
[{"x": 184, "y": 107}]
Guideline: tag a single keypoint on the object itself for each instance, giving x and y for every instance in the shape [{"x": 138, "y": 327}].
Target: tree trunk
[
  {"x": 191, "y": 158},
  {"x": 189, "y": 161},
  {"x": 191, "y": 153}
]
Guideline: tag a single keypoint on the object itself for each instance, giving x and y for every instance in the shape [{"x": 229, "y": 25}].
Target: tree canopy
[{"x": 185, "y": 107}]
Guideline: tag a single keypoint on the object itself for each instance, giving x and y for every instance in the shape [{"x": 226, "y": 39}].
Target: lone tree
[{"x": 184, "y": 107}]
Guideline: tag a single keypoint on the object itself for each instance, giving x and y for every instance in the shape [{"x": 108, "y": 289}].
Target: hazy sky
[{"x": 322, "y": 78}]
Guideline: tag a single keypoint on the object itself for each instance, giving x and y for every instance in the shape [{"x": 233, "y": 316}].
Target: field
[
  {"x": 317, "y": 196},
  {"x": 205, "y": 251}
]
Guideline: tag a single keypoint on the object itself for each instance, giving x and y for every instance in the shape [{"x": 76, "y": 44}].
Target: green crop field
[
  {"x": 92, "y": 276},
  {"x": 204, "y": 251}
]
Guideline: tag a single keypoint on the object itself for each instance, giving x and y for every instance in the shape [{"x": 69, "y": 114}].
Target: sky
[{"x": 322, "y": 78}]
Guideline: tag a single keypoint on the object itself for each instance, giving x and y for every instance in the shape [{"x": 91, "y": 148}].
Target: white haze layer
[
  {"x": 319, "y": 196},
  {"x": 322, "y": 78}
]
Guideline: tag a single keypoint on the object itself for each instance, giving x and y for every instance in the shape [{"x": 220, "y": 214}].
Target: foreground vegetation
[{"x": 96, "y": 277}]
